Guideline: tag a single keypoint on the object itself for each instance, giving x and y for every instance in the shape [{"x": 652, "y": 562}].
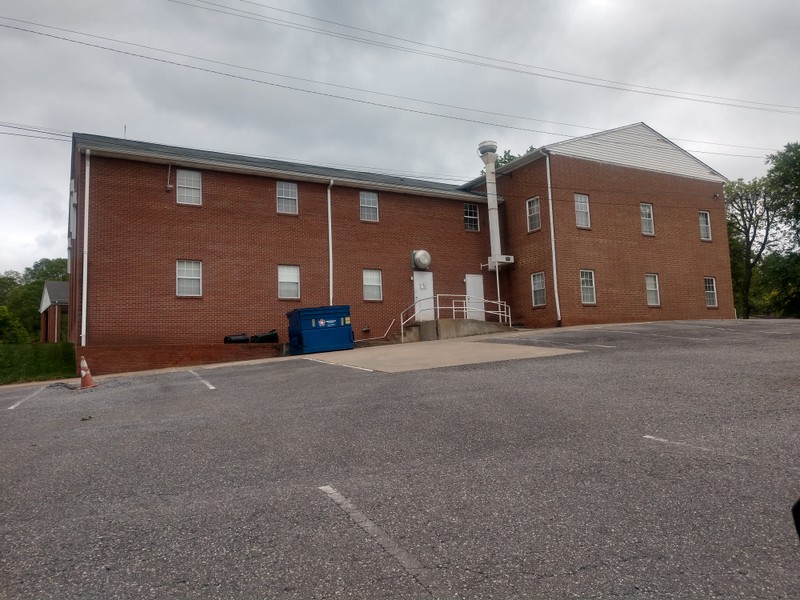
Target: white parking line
[
  {"x": 28, "y": 397},
  {"x": 409, "y": 563},
  {"x": 203, "y": 381},
  {"x": 325, "y": 362},
  {"x": 701, "y": 448},
  {"x": 674, "y": 337}
]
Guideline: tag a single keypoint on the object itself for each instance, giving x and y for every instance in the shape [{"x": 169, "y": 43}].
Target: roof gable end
[{"x": 637, "y": 146}]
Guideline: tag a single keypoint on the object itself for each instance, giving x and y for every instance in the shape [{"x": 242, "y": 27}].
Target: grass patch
[{"x": 36, "y": 362}]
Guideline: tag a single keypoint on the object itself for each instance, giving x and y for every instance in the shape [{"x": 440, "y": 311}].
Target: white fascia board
[{"x": 45, "y": 303}]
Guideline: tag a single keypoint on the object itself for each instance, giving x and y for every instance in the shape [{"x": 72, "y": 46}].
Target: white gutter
[
  {"x": 552, "y": 238},
  {"x": 330, "y": 248},
  {"x": 85, "y": 273}
]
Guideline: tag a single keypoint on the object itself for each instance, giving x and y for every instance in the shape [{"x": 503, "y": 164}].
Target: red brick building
[
  {"x": 171, "y": 249},
  {"x": 638, "y": 232}
]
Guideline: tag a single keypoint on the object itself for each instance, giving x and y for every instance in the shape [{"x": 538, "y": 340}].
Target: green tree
[
  {"x": 752, "y": 213},
  {"x": 23, "y": 299},
  {"x": 736, "y": 251},
  {"x": 506, "y": 157},
  {"x": 24, "y": 302},
  {"x": 46, "y": 269},
  {"x": 783, "y": 179},
  {"x": 11, "y": 331},
  {"x": 8, "y": 281},
  {"x": 778, "y": 279}
]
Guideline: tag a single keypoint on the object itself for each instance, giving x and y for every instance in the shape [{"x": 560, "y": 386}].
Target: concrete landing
[{"x": 398, "y": 358}]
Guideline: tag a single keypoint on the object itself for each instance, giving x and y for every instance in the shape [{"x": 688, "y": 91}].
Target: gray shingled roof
[
  {"x": 58, "y": 291},
  {"x": 236, "y": 162}
]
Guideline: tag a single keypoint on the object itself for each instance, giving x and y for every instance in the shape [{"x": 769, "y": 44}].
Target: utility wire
[
  {"x": 401, "y": 108},
  {"x": 39, "y": 137},
  {"x": 221, "y": 9},
  {"x": 504, "y": 61}
]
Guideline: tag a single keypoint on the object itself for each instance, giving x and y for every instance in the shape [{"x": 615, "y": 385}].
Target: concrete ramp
[{"x": 448, "y": 329}]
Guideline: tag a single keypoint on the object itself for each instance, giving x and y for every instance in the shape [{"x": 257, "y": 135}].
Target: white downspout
[
  {"x": 330, "y": 248},
  {"x": 553, "y": 239},
  {"x": 85, "y": 270}
]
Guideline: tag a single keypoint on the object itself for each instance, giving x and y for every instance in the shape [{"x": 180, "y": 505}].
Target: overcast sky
[{"x": 502, "y": 70}]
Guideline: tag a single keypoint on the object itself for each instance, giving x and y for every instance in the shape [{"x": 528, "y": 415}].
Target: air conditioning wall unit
[{"x": 501, "y": 259}]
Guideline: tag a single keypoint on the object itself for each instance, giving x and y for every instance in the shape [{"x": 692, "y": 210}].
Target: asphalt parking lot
[{"x": 650, "y": 461}]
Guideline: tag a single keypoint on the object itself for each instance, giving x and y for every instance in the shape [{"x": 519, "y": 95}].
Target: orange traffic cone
[{"x": 86, "y": 375}]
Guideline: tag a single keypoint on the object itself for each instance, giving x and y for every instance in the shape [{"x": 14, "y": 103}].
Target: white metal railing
[{"x": 460, "y": 306}]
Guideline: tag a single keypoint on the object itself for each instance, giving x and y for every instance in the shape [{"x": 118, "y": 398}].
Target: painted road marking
[
  {"x": 412, "y": 566},
  {"x": 203, "y": 381},
  {"x": 647, "y": 333},
  {"x": 701, "y": 448},
  {"x": 325, "y": 362},
  {"x": 602, "y": 346},
  {"x": 28, "y": 397}
]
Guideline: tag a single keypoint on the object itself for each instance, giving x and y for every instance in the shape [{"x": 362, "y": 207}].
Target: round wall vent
[{"x": 421, "y": 259}]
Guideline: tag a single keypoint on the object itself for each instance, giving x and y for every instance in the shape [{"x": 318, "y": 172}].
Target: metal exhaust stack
[{"x": 488, "y": 153}]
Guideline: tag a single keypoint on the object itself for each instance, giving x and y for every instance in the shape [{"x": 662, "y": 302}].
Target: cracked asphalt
[{"x": 658, "y": 461}]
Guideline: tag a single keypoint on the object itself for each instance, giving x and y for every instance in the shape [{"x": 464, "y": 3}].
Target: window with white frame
[
  {"x": 369, "y": 206},
  {"x": 651, "y": 283},
  {"x": 534, "y": 214},
  {"x": 373, "y": 284},
  {"x": 189, "y": 278},
  {"x": 287, "y": 197},
  {"x": 711, "y": 291},
  {"x": 582, "y": 211},
  {"x": 705, "y": 225},
  {"x": 190, "y": 187},
  {"x": 288, "y": 281},
  {"x": 587, "y": 287},
  {"x": 471, "y": 221},
  {"x": 648, "y": 226},
  {"x": 537, "y": 289}
]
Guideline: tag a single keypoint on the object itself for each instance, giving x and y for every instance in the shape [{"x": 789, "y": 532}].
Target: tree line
[
  {"x": 764, "y": 237},
  {"x": 20, "y": 297}
]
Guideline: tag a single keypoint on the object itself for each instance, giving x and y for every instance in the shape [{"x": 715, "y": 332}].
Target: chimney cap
[{"x": 487, "y": 147}]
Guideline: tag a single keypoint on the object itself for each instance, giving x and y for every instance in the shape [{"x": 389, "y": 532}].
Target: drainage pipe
[
  {"x": 552, "y": 238},
  {"x": 85, "y": 273},
  {"x": 330, "y": 247}
]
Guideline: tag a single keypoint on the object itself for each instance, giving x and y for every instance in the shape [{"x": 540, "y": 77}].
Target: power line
[
  {"x": 39, "y": 137},
  {"x": 296, "y": 78},
  {"x": 221, "y": 9},
  {"x": 500, "y": 60},
  {"x": 394, "y": 107}
]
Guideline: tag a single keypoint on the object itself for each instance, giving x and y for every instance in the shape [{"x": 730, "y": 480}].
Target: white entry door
[
  {"x": 475, "y": 300},
  {"x": 423, "y": 295}
]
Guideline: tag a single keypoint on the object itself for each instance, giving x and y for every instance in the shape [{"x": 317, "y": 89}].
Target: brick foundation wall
[{"x": 105, "y": 360}]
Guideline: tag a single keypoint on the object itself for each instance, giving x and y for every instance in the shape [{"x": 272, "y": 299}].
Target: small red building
[
  {"x": 53, "y": 310},
  {"x": 171, "y": 249}
]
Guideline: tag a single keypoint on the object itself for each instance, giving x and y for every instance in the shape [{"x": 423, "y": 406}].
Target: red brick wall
[
  {"x": 615, "y": 247},
  {"x": 138, "y": 231}
]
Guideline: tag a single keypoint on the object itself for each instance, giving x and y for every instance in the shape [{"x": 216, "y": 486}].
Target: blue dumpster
[{"x": 320, "y": 329}]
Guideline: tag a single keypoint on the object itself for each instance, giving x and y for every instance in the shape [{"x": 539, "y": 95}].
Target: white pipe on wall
[
  {"x": 330, "y": 247},
  {"x": 85, "y": 270},
  {"x": 552, "y": 238},
  {"x": 488, "y": 159}
]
